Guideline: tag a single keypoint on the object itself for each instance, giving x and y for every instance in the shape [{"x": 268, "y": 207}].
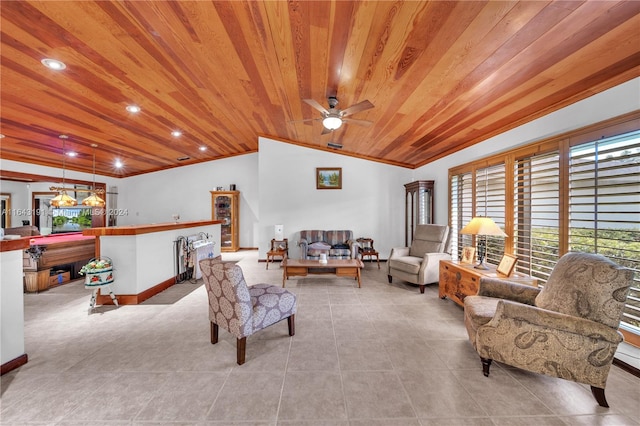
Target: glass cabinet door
[
  {"x": 224, "y": 207},
  {"x": 418, "y": 208},
  {"x": 223, "y": 213}
]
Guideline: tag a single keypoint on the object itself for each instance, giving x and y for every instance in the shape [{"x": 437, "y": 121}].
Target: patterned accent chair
[
  {"x": 568, "y": 329},
  {"x": 420, "y": 263},
  {"x": 335, "y": 244},
  {"x": 240, "y": 309}
]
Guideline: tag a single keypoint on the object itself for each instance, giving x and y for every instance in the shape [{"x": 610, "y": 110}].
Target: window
[
  {"x": 537, "y": 216},
  {"x": 574, "y": 192},
  {"x": 604, "y": 205},
  {"x": 490, "y": 197},
  {"x": 461, "y": 210}
]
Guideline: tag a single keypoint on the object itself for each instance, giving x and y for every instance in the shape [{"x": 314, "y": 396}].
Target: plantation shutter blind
[
  {"x": 490, "y": 202},
  {"x": 461, "y": 211},
  {"x": 537, "y": 218},
  {"x": 604, "y": 206}
]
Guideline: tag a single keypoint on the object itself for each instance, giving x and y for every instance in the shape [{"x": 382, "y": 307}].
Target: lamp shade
[
  {"x": 483, "y": 226},
  {"x": 63, "y": 200},
  {"x": 93, "y": 200}
]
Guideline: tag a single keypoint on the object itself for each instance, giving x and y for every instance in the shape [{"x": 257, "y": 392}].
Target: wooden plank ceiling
[{"x": 442, "y": 75}]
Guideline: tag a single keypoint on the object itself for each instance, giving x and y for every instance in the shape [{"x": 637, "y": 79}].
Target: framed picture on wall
[
  {"x": 468, "y": 254},
  {"x": 507, "y": 264},
  {"x": 328, "y": 177}
]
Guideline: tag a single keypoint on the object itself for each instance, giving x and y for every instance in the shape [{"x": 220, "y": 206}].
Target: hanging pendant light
[
  {"x": 93, "y": 200},
  {"x": 63, "y": 199}
]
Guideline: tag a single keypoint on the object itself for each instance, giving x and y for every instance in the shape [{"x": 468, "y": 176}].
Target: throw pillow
[{"x": 319, "y": 245}]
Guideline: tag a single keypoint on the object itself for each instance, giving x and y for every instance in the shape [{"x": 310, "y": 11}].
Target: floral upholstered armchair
[
  {"x": 569, "y": 329},
  {"x": 240, "y": 309},
  {"x": 335, "y": 244}
]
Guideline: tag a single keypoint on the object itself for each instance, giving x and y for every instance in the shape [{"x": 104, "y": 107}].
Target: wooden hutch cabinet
[
  {"x": 225, "y": 207},
  {"x": 418, "y": 207}
]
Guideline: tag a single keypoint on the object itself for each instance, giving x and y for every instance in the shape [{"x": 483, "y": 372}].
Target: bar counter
[
  {"x": 144, "y": 257},
  {"x": 146, "y": 229}
]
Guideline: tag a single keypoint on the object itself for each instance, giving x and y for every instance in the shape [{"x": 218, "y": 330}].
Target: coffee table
[{"x": 343, "y": 268}]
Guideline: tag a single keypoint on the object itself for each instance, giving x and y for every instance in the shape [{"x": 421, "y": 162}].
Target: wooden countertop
[
  {"x": 10, "y": 245},
  {"x": 146, "y": 229}
]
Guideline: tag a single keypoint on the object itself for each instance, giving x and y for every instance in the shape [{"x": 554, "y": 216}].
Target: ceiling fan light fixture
[{"x": 332, "y": 122}]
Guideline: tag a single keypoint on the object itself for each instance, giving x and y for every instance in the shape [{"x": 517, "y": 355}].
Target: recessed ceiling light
[
  {"x": 176, "y": 133},
  {"x": 118, "y": 164},
  {"x": 53, "y": 64},
  {"x": 133, "y": 108},
  {"x": 1, "y": 136},
  {"x": 203, "y": 148},
  {"x": 72, "y": 153}
]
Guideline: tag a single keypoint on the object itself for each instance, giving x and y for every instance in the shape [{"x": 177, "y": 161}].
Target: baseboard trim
[
  {"x": 626, "y": 367},
  {"x": 135, "y": 299},
  {"x": 13, "y": 364}
]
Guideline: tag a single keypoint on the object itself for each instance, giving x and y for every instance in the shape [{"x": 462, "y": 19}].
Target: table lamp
[{"x": 482, "y": 226}]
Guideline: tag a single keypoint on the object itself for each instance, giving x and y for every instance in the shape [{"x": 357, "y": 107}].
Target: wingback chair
[
  {"x": 240, "y": 309},
  {"x": 569, "y": 329},
  {"x": 420, "y": 263}
]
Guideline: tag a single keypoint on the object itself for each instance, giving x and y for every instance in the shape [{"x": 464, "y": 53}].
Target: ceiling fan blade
[
  {"x": 325, "y": 131},
  {"x": 361, "y": 106},
  {"x": 316, "y": 105},
  {"x": 306, "y": 119},
  {"x": 358, "y": 122}
]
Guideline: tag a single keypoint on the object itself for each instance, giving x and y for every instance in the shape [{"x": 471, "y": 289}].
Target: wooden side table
[
  {"x": 459, "y": 280},
  {"x": 366, "y": 249},
  {"x": 279, "y": 248}
]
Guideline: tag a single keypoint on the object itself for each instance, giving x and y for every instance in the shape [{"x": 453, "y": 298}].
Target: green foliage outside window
[{"x": 622, "y": 246}]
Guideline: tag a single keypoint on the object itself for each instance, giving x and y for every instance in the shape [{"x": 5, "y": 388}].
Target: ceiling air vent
[
  {"x": 334, "y": 145},
  {"x": 183, "y": 158}
]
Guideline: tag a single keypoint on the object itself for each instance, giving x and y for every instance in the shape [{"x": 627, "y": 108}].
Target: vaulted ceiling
[{"x": 441, "y": 75}]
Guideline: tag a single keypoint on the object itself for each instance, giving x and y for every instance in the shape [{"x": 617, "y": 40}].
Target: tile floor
[{"x": 380, "y": 355}]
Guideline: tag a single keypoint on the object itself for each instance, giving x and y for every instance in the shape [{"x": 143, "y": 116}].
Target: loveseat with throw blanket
[{"x": 335, "y": 244}]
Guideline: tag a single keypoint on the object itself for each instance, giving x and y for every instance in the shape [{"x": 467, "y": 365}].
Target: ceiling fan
[{"x": 333, "y": 117}]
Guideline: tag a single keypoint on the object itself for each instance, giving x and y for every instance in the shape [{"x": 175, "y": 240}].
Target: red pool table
[{"x": 72, "y": 249}]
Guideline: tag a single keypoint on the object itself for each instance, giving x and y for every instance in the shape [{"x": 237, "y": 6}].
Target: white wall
[
  {"x": 611, "y": 103},
  {"x": 20, "y": 201},
  {"x": 11, "y": 306},
  {"x": 370, "y": 203},
  {"x": 155, "y": 197}
]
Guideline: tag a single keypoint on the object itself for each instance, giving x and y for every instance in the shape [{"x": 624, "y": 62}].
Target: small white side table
[
  {"x": 94, "y": 293},
  {"x": 100, "y": 279}
]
